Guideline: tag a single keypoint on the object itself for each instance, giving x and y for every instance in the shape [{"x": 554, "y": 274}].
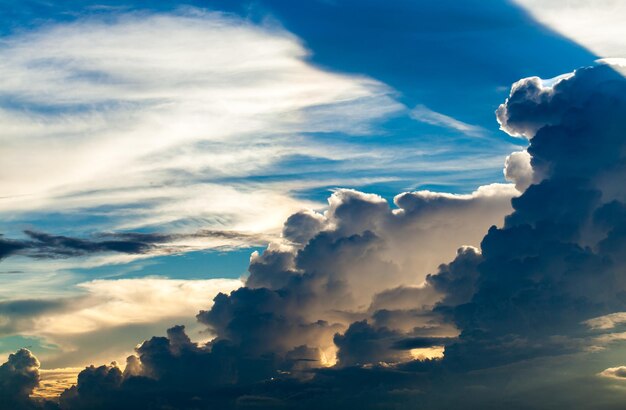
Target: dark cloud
[
  {"x": 19, "y": 376},
  {"x": 302, "y": 226},
  {"x": 422, "y": 342},
  {"x": 52, "y": 245},
  {"x": 457, "y": 280},
  {"x": 43, "y": 245},
  {"x": 299, "y": 305},
  {"x": 549, "y": 268},
  {"x": 9, "y": 247},
  {"x": 364, "y": 344},
  {"x": 338, "y": 313}
]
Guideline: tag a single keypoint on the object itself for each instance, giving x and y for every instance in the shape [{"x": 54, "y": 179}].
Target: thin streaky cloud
[{"x": 428, "y": 116}]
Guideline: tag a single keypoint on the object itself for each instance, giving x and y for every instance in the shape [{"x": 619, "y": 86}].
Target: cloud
[
  {"x": 124, "y": 301},
  {"x": 17, "y": 314},
  {"x": 305, "y": 292},
  {"x": 457, "y": 280},
  {"x": 605, "y": 322},
  {"x": 548, "y": 269},
  {"x": 110, "y": 116},
  {"x": 428, "y": 116},
  {"x": 363, "y": 344},
  {"x": 9, "y": 247},
  {"x": 119, "y": 310},
  {"x": 518, "y": 169},
  {"x": 19, "y": 376},
  {"x": 330, "y": 315},
  {"x": 41, "y": 245},
  {"x": 618, "y": 373}
]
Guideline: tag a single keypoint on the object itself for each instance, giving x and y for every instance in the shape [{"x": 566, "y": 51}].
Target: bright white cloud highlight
[{"x": 597, "y": 25}]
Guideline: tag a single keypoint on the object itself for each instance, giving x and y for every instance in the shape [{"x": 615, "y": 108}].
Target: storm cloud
[
  {"x": 19, "y": 376},
  {"x": 549, "y": 268},
  {"x": 350, "y": 302}
]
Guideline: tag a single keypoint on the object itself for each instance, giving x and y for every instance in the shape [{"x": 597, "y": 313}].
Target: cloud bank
[{"x": 353, "y": 310}]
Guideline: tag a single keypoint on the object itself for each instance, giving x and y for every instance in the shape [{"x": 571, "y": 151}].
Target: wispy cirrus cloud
[
  {"x": 152, "y": 120},
  {"x": 428, "y": 116},
  {"x": 42, "y": 245}
]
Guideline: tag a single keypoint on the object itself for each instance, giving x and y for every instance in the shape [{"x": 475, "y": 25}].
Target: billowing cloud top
[{"x": 18, "y": 378}]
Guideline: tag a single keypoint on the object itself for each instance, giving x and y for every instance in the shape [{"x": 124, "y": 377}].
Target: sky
[{"x": 334, "y": 203}]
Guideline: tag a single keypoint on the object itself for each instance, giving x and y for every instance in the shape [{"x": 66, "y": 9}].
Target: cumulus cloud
[
  {"x": 363, "y": 344},
  {"x": 560, "y": 274},
  {"x": 342, "y": 306},
  {"x": 19, "y": 376},
  {"x": 518, "y": 169},
  {"x": 364, "y": 248},
  {"x": 298, "y": 310}
]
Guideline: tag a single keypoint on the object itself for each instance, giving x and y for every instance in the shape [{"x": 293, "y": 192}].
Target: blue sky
[{"x": 194, "y": 130}]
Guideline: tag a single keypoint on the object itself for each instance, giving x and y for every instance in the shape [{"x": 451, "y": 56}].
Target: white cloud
[
  {"x": 169, "y": 112},
  {"x": 597, "y": 25},
  {"x": 518, "y": 169},
  {"x": 111, "y": 303},
  {"x": 614, "y": 373},
  {"x": 428, "y": 116}
]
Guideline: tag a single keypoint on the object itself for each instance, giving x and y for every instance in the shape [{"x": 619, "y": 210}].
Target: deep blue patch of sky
[{"x": 232, "y": 263}]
